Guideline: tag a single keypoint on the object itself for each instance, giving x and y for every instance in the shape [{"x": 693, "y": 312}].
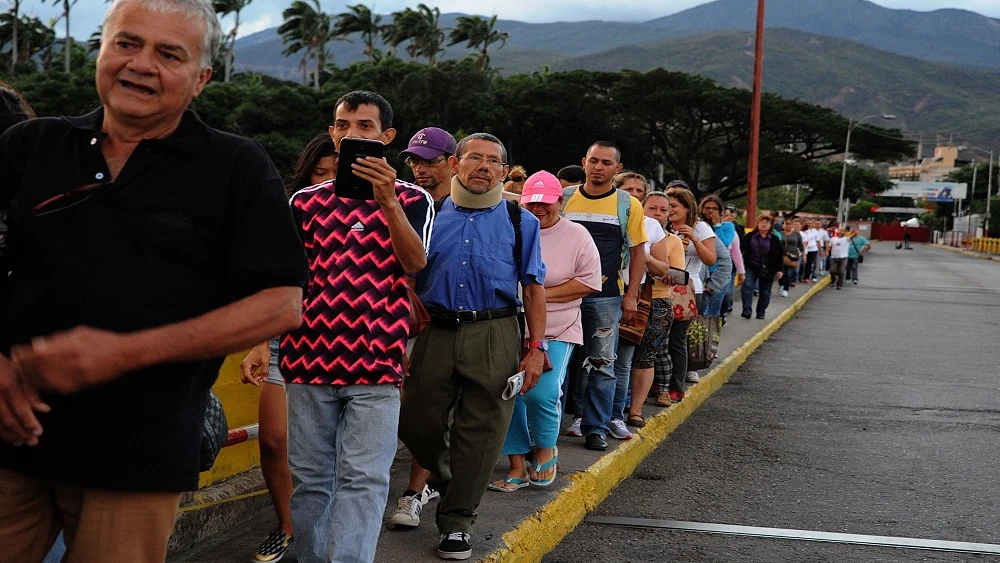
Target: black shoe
[
  {"x": 745, "y": 315},
  {"x": 759, "y": 316},
  {"x": 455, "y": 546},
  {"x": 273, "y": 548},
  {"x": 596, "y": 442}
]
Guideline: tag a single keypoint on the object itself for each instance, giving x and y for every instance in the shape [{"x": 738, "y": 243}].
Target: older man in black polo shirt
[{"x": 134, "y": 261}]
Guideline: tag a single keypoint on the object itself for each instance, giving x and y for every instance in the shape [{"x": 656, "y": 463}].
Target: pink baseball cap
[{"x": 541, "y": 187}]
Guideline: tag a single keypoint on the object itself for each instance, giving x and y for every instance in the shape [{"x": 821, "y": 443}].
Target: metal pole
[
  {"x": 843, "y": 172},
  {"x": 758, "y": 70},
  {"x": 972, "y": 194},
  {"x": 989, "y": 192},
  {"x": 797, "y": 196}
]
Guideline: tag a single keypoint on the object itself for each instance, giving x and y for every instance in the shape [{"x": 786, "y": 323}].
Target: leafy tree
[
  {"x": 421, "y": 27},
  {"x": 67, "y": 5},
  {"x": 478, "y": 33},
  {"x": 308, "y": 29},
  {"x": 224, "y": 8},
  {"x": 14, "y": 16},
  {"x": 34, "y": 38},
  {"x": 360, "y": 19}
]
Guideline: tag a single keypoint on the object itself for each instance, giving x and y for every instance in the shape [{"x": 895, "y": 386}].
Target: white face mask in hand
[{"x": 514, "y": 384}]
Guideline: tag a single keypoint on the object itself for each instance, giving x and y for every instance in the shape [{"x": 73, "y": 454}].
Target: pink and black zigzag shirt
[{"x": 355, "y": 312}]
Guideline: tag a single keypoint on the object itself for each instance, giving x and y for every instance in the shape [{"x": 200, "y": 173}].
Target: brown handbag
[
  {"x": 633, "y": 330},
  {"x": 419, "y": 317}
]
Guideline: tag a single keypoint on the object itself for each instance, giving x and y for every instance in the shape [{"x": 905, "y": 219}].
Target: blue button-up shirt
[{"x": 470, "y": 264}]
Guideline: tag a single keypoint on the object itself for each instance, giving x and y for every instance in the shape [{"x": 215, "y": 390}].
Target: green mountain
[{"x": 853, "y": 79}]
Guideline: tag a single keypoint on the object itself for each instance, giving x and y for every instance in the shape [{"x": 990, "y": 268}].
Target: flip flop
[
  {"x": 539, "y": 468},
  {"x": 516, "y": 481}
]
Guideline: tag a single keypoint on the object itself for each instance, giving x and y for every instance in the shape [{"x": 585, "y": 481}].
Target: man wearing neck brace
[{"x": 469, "y": 287}]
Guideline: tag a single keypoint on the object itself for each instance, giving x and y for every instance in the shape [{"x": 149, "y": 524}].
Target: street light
[
  {"x": 851, "y": 124},
  {"x": 989, "y": 186}
]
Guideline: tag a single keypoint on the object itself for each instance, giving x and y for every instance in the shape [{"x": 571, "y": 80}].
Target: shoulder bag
[{"x": 633, "y": 330}]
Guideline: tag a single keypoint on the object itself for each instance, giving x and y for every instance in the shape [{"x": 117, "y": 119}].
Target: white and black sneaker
[
  {"x": 455, "y": 546},
  {"x": 408, "y": 509},
  {"x": 428, "y": 495}
]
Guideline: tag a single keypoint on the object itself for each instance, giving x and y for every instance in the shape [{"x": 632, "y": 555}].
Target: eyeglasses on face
[
  {"x": 69, "y": 199},
  {"x": 710, "y": 208},
  {"x": 415, "y": 162},
  {"x": 476, "y": 160}
]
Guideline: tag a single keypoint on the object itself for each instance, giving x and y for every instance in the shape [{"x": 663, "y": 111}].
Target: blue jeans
[
  {"x": 596, "y": 389},
  {"x": 623, "y": 376},
  {"x": 764, "y": 297},
  {"x": 712, "y": 306},
  {"x": 341, "y": 443},
  {"x": 537, "y": 413}
]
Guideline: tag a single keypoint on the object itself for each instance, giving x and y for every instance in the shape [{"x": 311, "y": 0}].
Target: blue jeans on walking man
[
  {"x": 341, "y": 443},
  {"x": 764, "y": 284},
  {"x": 596, "y": 384}
]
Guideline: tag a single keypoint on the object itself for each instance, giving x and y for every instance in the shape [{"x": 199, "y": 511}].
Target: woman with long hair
[
  {"x": 711, "y": 213},
  {"x": 317, "y": 164},
  {"x": 763, "y": 257},
  {"x": 699, "y": 250}
]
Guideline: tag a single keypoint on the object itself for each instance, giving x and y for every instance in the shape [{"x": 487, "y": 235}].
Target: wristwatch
[{"x": 542, "y": 345}]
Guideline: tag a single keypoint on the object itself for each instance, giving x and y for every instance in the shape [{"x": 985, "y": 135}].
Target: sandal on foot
[
  {"x": 636, "y": 421},
  {"x": 539, "y": 468},
  {"x": 506, "y": 487}
]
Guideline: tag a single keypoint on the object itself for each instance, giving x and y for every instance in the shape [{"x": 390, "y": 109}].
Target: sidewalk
[
  {"x": 972, "y": 253},
  {"x": 526, "y": 524}
]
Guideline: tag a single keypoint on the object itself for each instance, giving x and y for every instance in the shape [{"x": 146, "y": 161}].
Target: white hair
[{"x": 210, "y": 43}]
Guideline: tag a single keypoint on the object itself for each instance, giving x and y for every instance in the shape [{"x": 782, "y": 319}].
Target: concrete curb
[
  {"x": 217, "y": 508},
  {"x": 963, "y": 251},
  {"x": 541, "y": 532}
]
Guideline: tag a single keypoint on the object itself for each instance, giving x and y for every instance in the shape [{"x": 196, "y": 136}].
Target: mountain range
[{"x": 939, "y": 71}]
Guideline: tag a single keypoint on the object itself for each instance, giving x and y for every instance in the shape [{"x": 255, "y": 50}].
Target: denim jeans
[
  {"x": 623, "y": 376},
  {"x": 712, "y": 302},
  {"x": 341, "y": 443},
  {"x": 852, "y": 269},
  {"x": 537, "y": 414},
  {"x": 596, "y": 391},
  {"x": 764, "y": 285},
  {"x": 838, "y": 266}
]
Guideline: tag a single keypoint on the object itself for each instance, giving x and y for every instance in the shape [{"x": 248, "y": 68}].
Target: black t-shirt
[{"x": 193, "y": 222}]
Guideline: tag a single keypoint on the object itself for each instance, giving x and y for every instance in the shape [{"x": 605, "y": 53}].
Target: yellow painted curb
[
  {"x": 963, "y": 251},
  {"x": 541, "y": 532}
]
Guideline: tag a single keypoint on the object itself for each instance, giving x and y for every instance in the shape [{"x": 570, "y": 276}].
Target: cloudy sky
[{"x": 262, "y": 14}]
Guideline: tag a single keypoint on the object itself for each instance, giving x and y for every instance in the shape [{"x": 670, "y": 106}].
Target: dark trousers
[
  {"x": 852, "y": 269},
  {"x": 838, "y": 266},
  {"x": 764, "y": 289},
  {"x": 809, "y": 268}
]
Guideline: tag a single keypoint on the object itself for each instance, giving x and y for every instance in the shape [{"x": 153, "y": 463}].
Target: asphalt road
[{"x": 876, "y": 411}]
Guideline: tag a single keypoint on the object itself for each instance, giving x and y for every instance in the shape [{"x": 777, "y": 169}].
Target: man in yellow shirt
[{"x": 615, "y": 221}]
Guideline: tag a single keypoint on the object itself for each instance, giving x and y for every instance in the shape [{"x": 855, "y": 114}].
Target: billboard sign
[{"x": 931, "y": 191}]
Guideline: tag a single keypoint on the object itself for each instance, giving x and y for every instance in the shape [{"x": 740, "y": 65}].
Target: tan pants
[{"x": 98, "y": 525}]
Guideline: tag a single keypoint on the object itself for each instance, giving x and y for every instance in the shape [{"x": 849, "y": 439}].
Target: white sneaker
[
  {"x": 574, "y": 429},
  {"x": 428, "y": 495},
  {"x": 618, "y": 430},
  {"x": 692, "y": 377},
  {"x": 784, "y": 293},
  {"x": 407, "y": 511}
]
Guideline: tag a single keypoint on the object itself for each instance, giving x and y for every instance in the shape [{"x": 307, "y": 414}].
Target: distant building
[{"x": 934, "y": 169}]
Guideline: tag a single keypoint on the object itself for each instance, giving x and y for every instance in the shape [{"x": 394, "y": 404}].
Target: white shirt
[
  {"x": 655, "y": 233},
  {"x": 809, "y": 238},
  {"x": 692, "y": 263},
  {"x": 822, "y": 237},
  {"x": 840, "y": 247}
]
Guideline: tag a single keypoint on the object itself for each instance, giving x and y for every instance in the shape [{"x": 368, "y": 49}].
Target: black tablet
[{"x": 348, "y": 184}]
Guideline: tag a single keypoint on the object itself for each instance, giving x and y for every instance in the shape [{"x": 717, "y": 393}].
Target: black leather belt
[{"x": 452, "y": 319}]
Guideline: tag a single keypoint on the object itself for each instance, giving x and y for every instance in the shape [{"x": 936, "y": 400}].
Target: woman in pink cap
[{"x": 573, "y": 271}]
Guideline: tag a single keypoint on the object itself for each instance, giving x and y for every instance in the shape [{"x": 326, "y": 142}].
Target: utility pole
[{"x": 758, "y": 70}]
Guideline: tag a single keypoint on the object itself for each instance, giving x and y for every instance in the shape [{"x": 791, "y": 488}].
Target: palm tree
[
  {"x": 223, "y": 8},
  {"x": 359, "y": 19},
  {"x": 33, "y": 37},
  {"x": 307, "y": 29},
  {"x": 14, "y": 13},
  {"x": 421, "y": 28},
  {"x": 478, "y": 33},
  {"x": 67, "y": 5},
  {"x": 94, "y": 42}
]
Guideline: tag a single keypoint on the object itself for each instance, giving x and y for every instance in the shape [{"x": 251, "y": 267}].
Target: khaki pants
[
  {"x": 473, "y": 361},
  {"x": 98, "y": 525}
]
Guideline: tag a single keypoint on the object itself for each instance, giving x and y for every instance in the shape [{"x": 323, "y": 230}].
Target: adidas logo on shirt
[{"x": 357, "y": 227}]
